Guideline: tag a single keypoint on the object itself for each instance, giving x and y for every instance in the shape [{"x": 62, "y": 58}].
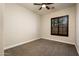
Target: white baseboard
[
  {"x": 19, "y": 44},
  {"x": 59, "y": 41},
  {"x": 77, "y": 49}
]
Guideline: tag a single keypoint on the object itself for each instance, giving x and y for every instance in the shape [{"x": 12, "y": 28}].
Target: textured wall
[{"x": 77, "y": 27}]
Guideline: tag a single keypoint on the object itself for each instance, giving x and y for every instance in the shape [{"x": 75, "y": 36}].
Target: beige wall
[
  {"x": 77, "y": 27},
  {"x": 46, "y": 25},
  {"x": 1, "y": 22},
  {"x": 20, "y": 25}
]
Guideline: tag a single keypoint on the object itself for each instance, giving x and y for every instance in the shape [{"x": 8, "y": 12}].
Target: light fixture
[{"x": 44, "y": 5}]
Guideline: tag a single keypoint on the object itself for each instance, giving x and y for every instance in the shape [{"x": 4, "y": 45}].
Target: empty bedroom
[{"x": 39, "y": 29}]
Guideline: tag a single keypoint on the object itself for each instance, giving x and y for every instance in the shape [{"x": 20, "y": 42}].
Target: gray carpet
[{"x": 42, "y": 47}]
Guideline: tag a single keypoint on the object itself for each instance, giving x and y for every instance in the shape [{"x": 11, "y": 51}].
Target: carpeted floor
[{"x": 43, "y": 47}]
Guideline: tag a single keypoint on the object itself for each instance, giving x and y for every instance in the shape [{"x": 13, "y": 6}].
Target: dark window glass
[{"x": 59, "y": 26}]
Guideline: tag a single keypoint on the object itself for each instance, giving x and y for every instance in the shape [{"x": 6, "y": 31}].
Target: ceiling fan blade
[
  {"x": 40, "y": 8},
  {"x": 37, "y": 4},
  {"x": 49, "y": 3},
  {"x": 47, "y": 7}
]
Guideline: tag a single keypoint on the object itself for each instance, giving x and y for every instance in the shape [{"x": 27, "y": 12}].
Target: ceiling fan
[{"x": 44, "y": 5}]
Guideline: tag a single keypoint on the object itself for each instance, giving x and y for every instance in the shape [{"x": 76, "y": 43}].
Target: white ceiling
[{"x": 58, "y": 6}]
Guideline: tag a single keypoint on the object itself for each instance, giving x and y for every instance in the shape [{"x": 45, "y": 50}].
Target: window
[{"x": 59, "y": 26}]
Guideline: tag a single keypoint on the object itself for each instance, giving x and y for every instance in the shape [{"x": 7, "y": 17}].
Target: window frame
[{"x": 62, "y": 25}]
